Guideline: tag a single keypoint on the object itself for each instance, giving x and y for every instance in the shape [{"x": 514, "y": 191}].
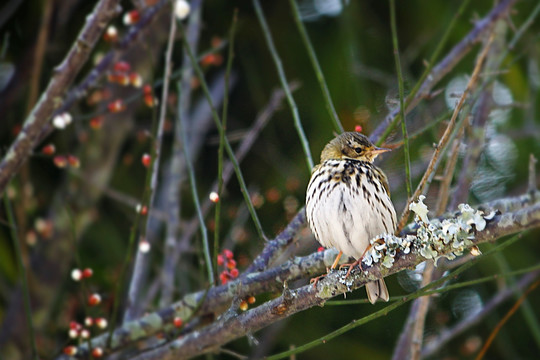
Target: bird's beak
[{"x": 378, "y": 150}]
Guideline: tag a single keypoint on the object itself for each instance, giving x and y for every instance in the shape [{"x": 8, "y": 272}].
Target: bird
[{"x": 348, "y": 201}]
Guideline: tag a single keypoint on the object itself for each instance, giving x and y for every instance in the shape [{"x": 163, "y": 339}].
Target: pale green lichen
[{"x": 433, "y": 237}]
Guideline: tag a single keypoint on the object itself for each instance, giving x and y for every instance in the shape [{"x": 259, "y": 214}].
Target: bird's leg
[
  {"x": 334, "y": 265},
  {"x": 356, "y": 263},
  {"x": 315, "y": 280}
]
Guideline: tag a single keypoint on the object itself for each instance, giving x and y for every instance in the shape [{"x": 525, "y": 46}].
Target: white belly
[{"x": 344, "y": 217}]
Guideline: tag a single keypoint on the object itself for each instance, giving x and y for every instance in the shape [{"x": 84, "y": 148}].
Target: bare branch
[{"x": 50, "y": 100}]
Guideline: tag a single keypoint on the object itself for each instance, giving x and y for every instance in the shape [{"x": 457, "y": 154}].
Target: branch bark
[
  {"x": 290, "y": 302},
  {"x": 51, "y": 99}
]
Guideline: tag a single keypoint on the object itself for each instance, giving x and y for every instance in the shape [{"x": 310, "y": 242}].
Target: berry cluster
[
  {"x": 82, "y": 332},
  {"x": 226, "y": 260}
]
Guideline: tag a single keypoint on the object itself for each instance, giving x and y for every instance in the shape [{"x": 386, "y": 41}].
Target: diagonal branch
[{"x": 51, "y": 99}]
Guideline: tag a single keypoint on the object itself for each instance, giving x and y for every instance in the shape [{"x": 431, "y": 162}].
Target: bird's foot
[
  {"x": 350, "y": 266},
  {"x": 316, "y": 279}
]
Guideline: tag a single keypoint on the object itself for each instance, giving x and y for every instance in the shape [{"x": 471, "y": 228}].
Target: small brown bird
[{"x": 348, "y": 201}]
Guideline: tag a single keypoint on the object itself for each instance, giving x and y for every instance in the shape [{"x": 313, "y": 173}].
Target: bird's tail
[{"x": 377, "y": 290}]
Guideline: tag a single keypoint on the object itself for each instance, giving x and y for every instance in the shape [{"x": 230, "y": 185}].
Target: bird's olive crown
[{"x": 349, "y": 145}]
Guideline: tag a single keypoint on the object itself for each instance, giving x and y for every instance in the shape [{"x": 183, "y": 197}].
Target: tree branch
[
  {"x": 218, "y": 298},
  {"x": 64, "y": 75}
]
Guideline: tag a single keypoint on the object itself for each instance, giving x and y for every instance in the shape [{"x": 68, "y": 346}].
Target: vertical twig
[
  {"x": 284, "y": 84},
  {"x": 22, "y": 271},
  {"x": 222, "y": 136},
  {"x": 446, "y": 135},
  {"x": 316, "y": 67},
  {"x": 228, "y": 148},
  {"x": 406, "y": 155},
  {"x": 436, "y": 72}
]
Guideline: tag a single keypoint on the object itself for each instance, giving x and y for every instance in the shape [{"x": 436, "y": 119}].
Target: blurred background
[{"x": 81, "y": 215}]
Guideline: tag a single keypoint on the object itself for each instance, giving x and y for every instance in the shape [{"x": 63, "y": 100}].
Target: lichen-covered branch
[
  {"x": 292, "y": 301},
  {"x": 434, "y": 238}
]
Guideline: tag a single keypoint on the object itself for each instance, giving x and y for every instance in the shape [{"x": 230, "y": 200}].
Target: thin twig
[
  {"x": 446, "y": 136},
  {"x": 406, "y": 154},
  {"x": 193, "y": 184},
  {"x": 446, "y": 336},
  {"x": 503, "y": 321},
  {"x": 444, "y": 191},
  {"x": 249, "y": 140},
  {"x": 217, "y": 215},
  {"x": 22, "y": 271},
  {"x": 228, "y": 148},
  {"x": 316, "y": 67},
  {"x": 444, "y": 66},
  {"x": 284, "y": 84},
  {"x": 64, "y": 75},
  {"x": 196, "y": 123}
]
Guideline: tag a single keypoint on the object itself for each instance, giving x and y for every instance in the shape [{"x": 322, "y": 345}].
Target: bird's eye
[{"x": 358, "y": 150}]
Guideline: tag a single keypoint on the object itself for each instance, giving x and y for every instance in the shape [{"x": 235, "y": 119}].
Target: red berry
[
  {"x": 70, "y": 350},
  {"x": 97, "y": 122},
  {"x": 97, "y": 352},
  {"x": 73, "y": 161},
  {"x": 87, "y": 273},
  {"x": 94, "y": 300},
  {"x": 150, "y": 100},
  {"x": 131, "y": 17},
  {"x": 234, "y": 273},
  {"x": 231, "y": 264},
  {"x": 135, "y": 79},
  {"x": 178, "y": 322},
  {"x": 48, "y": 149},
  {"x": 224, "y": 277},
  {"x": 111, "y": 34},
  {"x": 60, "y": 161},
  {"x": 122, "y": 66},
  {"x": 220, "y": 260},
  {"x": 146, "y": 160},
  {"x": 228, "y": 253},
  {"x": 101, "y": 323},
  {"x": 358, "y": 128},
  {"x": 116, "y": 106}
]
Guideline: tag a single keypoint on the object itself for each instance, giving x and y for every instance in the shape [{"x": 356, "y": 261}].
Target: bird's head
[{"x": 351, "y": 145}]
